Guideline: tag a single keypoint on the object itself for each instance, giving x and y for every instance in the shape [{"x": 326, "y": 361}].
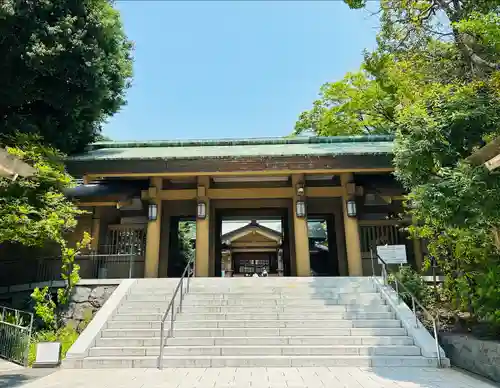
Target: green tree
[
  {"x": 186, "y": 234},
  {"x": 66, "y": 65},
  {"x": 436, "y": 71},
  {"x": 406, "y": 25},
  {"x": 356, "y": 105},
  {"x": 34, "y": 211}
]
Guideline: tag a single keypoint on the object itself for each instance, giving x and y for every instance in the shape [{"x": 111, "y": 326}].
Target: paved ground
[
  {"x": 258, "y": 378},
  {"x": 6, "y": 366},
  {"x": 13, "y": 375}
]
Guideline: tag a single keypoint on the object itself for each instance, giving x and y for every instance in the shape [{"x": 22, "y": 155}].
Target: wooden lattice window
[
  {"x": 126, "y": 239},
  {"x": 373, "y": 235}
]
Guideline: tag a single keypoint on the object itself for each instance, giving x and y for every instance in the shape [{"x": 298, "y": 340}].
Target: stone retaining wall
[
  {"x": 88, "y": 297},
  {"x": 87, "y": 300},
  {"x": 477, "y": 356}
]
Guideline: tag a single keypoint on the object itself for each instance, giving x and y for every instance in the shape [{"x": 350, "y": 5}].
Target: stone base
[{"x": 475, "y": 355}]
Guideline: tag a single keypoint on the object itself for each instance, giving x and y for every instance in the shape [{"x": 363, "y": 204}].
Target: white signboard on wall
[{"x": 392, "y": 254}]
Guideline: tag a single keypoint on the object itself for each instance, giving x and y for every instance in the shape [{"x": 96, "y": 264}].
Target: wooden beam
[
  {"x": 244, "y": 193},
  {"x": 251, "y": 193},
  {"x": 240, "y": 173},
  {"x": 379, "y": 222},
  {"x": 489, "y": 151},
  {"x": 324, "y": 192},
  {"x": 102, "y": 203},
  {"x": 493, "y": 163}
]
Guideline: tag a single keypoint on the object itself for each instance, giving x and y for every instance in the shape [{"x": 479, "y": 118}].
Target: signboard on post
[{"x": 392, "y": 254}]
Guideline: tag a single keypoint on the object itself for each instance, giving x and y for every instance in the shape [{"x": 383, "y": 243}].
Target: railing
[
  {"x": 186, "y": 274},
  {"x": 414, "y": 301},
  {"x": 15, "y": 335},
  {"x": 92, "y": 266}
]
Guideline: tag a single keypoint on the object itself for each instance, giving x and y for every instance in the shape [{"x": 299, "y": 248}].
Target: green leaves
[
  {"x": 355, "y": 105},
  {"x": 433, "y": 81},
  {"x": 355, "y": 4},
  {"x": 33, "y": 211},
  {"x": 65, "y": 68},
  {"x": 45, "y": 308}
]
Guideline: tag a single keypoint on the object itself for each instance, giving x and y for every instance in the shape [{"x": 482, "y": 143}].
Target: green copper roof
[{"x": 234, "y": 148}]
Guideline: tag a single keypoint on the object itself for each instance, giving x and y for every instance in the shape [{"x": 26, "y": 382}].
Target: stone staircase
[{"x": 257, "y": 322}]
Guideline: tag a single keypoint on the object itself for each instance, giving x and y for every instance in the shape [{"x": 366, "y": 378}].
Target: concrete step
[
  {"x": 143, "y": 307},
  {"x": 270, "y": 293},
  {"x": 257, "y": 332},
  {"x": 242, "y": 282},
  {"x": 269, "y": 350},
  {"x": 233, "y": 341},
  {"x": 256, "y": 361},
  {"x": 255, "y": 316},
  {"x": 260, "y": 303},
  {"x": 197, "y": 301},
  {"x": 319, "y": 324}
]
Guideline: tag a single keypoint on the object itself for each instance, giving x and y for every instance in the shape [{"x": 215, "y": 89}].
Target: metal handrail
[
  {"x": 188, "y": 271},
  {"x": 414, "y": 301}
]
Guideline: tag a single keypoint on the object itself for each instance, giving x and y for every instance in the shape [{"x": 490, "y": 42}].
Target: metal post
[
  {"x": 437, "y": 343},
  {"x": 130, "y": 267},
  {"x": 160, "y": 357},
  {"x": 172, "y": 318},
  {"x": 182, "y": 294},
  {"x": 397, "y": 289},
  {"x": 373, "y": 264},
  {"x": 27, "y": 350},
  {"x": 414, "y": 311}
]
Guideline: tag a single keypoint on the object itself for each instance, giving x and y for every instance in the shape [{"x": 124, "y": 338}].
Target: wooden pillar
[
  {"x": 95, "y": 229},
  {"x": 202, "y": 264},
  {"x": 302, "y": 259},
  {"x": 351, "y": 229},
  {"x": 153, "y": 233},
  {"x": 165, "y": 241}
]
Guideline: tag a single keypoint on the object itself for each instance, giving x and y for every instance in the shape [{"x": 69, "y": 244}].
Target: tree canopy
[
  {"x": 434, "y": 82},
  {"x": 66, "y": 65},
  {"x": 33, "y": 210}
]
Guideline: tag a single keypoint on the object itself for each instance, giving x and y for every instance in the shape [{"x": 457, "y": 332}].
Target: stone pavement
[
  {"x": 260, "y": 378},
  {"x": 6, "y": 366},
  {"x": 13, "y": 375}
]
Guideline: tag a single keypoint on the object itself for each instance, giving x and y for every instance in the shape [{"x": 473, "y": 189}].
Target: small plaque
[
  {"x": 48, "y": 354},
  {"x": 392, "y": 254}
]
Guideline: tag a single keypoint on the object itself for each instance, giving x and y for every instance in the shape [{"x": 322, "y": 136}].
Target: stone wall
[
  {"x": 88, "y": 297},
  {"x": 86, "y": 301},
  {"x": 477, "y": 356}
]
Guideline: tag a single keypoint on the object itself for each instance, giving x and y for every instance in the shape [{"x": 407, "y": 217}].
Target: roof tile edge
[{"x": 234, "y": 142}]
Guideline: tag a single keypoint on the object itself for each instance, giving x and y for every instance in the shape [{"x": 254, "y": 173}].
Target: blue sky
[{"x": 230, "y": 69}]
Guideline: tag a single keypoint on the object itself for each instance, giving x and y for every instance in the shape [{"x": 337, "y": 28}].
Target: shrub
[
  {"x": 66, "y": 335},
  {"x": 413, "y": 283}
]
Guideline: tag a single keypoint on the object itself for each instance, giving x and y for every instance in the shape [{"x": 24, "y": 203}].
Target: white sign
[
  {"x": 48, "y": 354},
  {"x": 392, "y": 254}
]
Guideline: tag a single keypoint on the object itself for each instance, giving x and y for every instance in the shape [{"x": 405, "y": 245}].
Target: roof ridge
[{"x": 234, "y": 142}]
